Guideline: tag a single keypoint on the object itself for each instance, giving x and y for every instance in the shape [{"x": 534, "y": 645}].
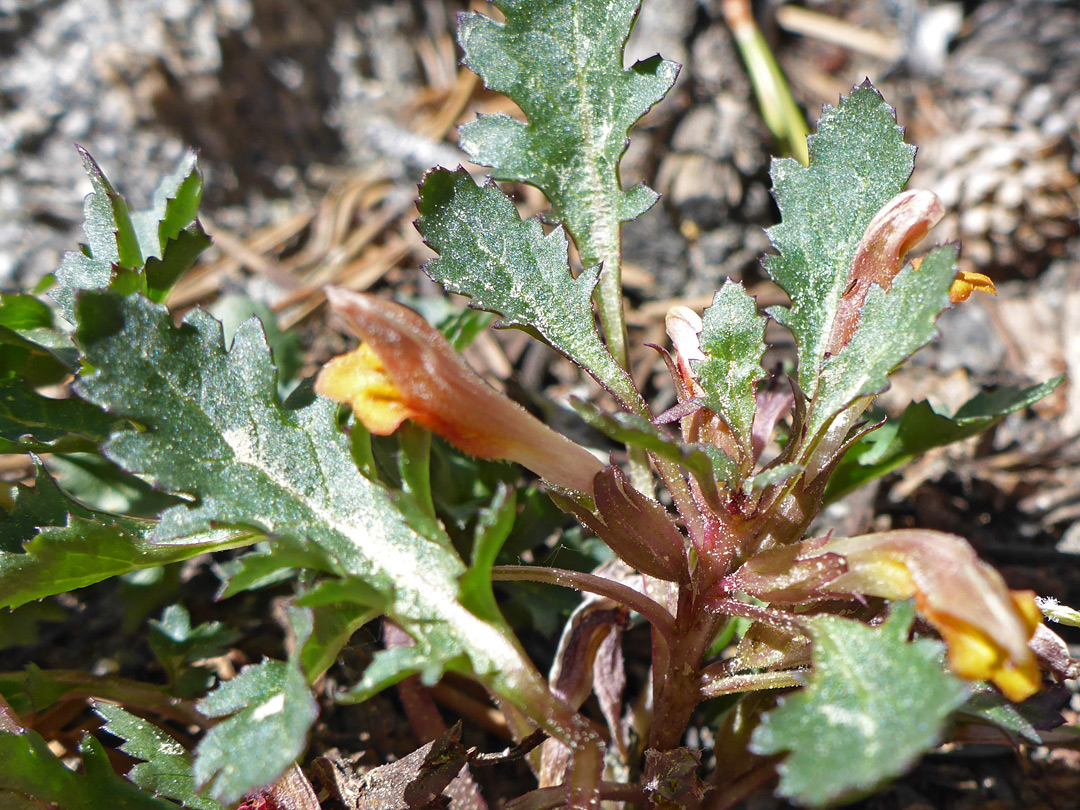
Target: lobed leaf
[
  {"x": 49, "y": 544},
  {"x": 858, "y": 162},
  {"x": 269, "y": 710},
  {"x": 561, "y": 61},
  {"x": 32, "y": 423},
  {"x": 733, "y": 340},
  {"x": 216, "y": 432},
  {"x": 512, "y": 268},
  {"x": 893, "y": 326},
  {"x": 32, "y": 776},
  {"x": 144, "y": 251},
  {"x": 873, "y": 704},
  {"x": 176, "y": 644},
  {"x": 166, "y": 769}
]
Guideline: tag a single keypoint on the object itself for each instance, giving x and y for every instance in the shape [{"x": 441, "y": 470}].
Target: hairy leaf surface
[
  {"x": 858, "y": 162},
  {"x": 894, "y": 325},
  {"x": 217, "y": 432},
  {"x": 166, "y": 767},
  {"x": 512, "y": 268},
  {"x": 561, "y": 61},
  {"x": 733, "y": 340},
  {"x": 269, "y": 710},
  {"x": 874, "y": 703},
  {"x": 144, "y": 251}
]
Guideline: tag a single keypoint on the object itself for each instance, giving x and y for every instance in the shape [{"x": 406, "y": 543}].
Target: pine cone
[{"x": 1006, "y": 164}]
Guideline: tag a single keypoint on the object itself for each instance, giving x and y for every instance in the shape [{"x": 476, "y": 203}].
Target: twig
[{"x": 814, "y": 24}]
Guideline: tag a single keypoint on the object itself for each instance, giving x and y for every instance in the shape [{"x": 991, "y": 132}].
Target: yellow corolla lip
[
  {"x": 967, "y": 282},
  {"x": 406, "y": 369},
  {"x": 986, "y": 626},
  {"x": 359, "y": 379},
  {"x": 974, "y": 655}
]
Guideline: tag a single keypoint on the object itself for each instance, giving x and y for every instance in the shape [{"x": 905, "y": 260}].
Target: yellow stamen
[{"x": 966, "y": 283}]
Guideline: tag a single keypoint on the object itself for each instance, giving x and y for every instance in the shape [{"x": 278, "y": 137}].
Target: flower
[
  {"x": 986, "y": 626},
  {"x": 895, "y": 229},
  {"x": 406, "y": 369}
]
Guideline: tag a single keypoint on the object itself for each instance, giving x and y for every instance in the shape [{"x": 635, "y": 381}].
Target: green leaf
[
  {"x": 389, "y": 667},
  {"x": 110, "y": 233},
  {"x": 32, "y": 777},
  {"x": 178, "y": 256},
  {"x": 773, "y": 476},
  {"x": 175, "y": 643},
  {"x": 338, "y": 608},
  {"x": 22, "y": 627},
  {"x": 561, "y": 61},
  {"x": 873, "y": 704},
  {"x": 144, "y": 251},
  {"x": 216, "y": 431},
  {"x": 987, "y": 705},
  {"x": 270, "y": 710},
  {"x": 286, "y": 348},
  {"x": 464, "y": 327},
  {"x": 733, "y": 340},
  {"x": 21, "y": 311},
  {"x": 166, "y": 767},
  {"x": 269, "y": 565},
  {"x": 31, "y": 347},
  {"x": 512, "y": 268},
  {"x": 173, "y": 206},
  {"x": 892, "y": 327},
  {"x": 920, "y": 428},
  {"x": 32, "y": 423},
  {"x": 858, "y": 162},
  {"x": 493, "y": 527},
  {"x": 707, "y": 463},
  {"x": 49, "y": 545},
  {"x": 39, "y": 355},
  {"x": 96, "y": 483}
]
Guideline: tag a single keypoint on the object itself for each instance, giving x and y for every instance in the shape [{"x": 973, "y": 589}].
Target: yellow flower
[
  {"x": 966, "y": 283},
  {"x": 406, "y": 369},
  {"x": 986, "y": 626}
]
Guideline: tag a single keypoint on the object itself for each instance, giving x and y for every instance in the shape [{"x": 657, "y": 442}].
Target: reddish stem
[{"x": 652, "y": 611}]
